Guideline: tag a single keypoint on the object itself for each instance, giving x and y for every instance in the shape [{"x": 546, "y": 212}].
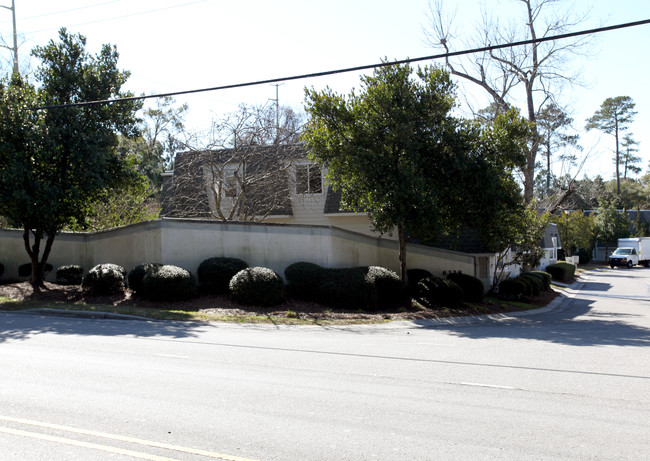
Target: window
[
  {"x": 309, "y": 179},
  {"x": 554, "y": 250}
]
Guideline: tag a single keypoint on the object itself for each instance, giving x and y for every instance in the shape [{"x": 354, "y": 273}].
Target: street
[{"x": 567, "y": 383}]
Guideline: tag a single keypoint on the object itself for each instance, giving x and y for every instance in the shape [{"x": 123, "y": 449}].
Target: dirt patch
[{"x": 222, "y": 306}]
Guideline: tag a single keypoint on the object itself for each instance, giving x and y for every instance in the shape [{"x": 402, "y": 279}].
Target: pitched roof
[{"x": 185, "y": 190}]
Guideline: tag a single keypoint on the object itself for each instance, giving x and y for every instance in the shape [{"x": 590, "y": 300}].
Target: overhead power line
[{"x": 355, "y": 69}]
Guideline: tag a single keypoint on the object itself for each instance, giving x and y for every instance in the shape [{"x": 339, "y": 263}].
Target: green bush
[
  {"x": 215, "y": 273},
  {"x": 388, "y": 285},
  {"x": 414, "y": 276},
  {"x": 104, "y": 279},
  {"x": 167, "y": 282},
  {"x": 69, "y": 275},
  {"x": 439, "y": 292},
  {"x": 364, "y": 288},
  {"x": 473, "y": 288},
  {"x": 348, "y": 288},
  {"x": 544, "y": 277},
  {"x": 257, "y": 286},
  {"x": 136, "y": 275},
  {"x": 528, "y": 284},
  {"x": 512, "y": 289},
  {"x": 561, "y": 271},
  {"x": 25, "y": 270},
  {"x": 536, "y": 285},
  {"x": 303, "y": 280}
]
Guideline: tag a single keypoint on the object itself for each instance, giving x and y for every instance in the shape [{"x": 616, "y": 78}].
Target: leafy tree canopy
[
  {"x": 55, "y": 162},
  {"x": 395, "y": 151}
]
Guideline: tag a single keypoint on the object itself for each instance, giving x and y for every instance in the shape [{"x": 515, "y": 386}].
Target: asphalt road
[{"x": 567, "y": 383}]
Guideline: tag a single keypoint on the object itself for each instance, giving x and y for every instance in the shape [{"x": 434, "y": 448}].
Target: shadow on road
[
  {"x": 20, "y": 326},
  {"x": 575, "y": 322}
]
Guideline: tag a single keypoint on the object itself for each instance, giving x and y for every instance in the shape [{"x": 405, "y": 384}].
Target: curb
[
  {"x": 82, "y": 314},
  {"x": 559, "y": 303}
]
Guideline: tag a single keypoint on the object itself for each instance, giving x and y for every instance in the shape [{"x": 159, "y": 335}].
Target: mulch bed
[{"x": 223, "y": 306}]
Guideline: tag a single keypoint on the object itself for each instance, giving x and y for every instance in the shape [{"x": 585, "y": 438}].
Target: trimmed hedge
[
  {"x": 473, "y": 288},
  {"x": 535, "y": 284},
  {"x": 388, "y": 285},
  {"x": 136, "y": 275},
  {"x": 215, "y": 273},
  {"x": 414, "y": 277},
  {"x": 257, "y": 286},
  {"x": 364, "y": 288},
  {"x": 69, "y": 275},
  {"x": 348, "y": 288},
  {"x": 561, "y": 271},
  {"x": 167, "y": 282},
  {"x": 104, "y": 279},
  {"x": 303, "y": 280},
  {"x": 544, "y": 277},
  {"x": 439, "y": 292},
  {"x": 512, "y": 289},
  {"x": 25, "y": 270}
]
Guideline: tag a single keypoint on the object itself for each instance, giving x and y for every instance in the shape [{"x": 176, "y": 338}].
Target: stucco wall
[{"x": 187, "y": 242}]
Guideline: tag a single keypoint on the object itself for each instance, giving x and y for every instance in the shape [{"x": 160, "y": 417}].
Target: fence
[{"x": 187, "y": 242}]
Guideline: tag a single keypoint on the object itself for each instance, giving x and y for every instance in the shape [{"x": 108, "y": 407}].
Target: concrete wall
[{"x": 187, "y": 242}]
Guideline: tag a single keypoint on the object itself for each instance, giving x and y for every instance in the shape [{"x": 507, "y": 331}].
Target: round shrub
[
  {"x": 512, "y": 289},
  {"x": 473, "y": 288},
  {"x": 136, "y": 275},
  {"x": 439, "y": 292},
  {"x": 347, "y": 288},
  {"x": 215, "y": 273},
  {"x": 535, "y": 283},
  {"x": 528, "y": 285},
  {"x": 414, "y": 277},
  {"x": 388, "y": 285},
  {"x": 104, "y": 279},
  {"x": 561, "y": 271},
  {"x": 69, "y": 275},
  {"x": 544, "y": 277},
  {"x": 257, "y": 286},
  {"x": 303, "y": 280},
  {"x": 167, "y": 282}
]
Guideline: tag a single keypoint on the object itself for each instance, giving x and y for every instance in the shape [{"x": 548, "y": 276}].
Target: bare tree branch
[
  {"x": 244, "y": 173},
  {"x": 539, "y": 68}
]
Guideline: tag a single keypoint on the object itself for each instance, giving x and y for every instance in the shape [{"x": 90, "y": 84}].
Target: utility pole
[
  {"x": 277, "y": 113},
  {"x": 15, "y": 48}
]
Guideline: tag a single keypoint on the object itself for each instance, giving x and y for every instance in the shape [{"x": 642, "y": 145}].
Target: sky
[{"x": 177, "y": 45}]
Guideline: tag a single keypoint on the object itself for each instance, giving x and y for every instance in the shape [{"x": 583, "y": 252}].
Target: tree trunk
[
  {"x": 401, "y": 234},
  {"x": 37, "y": 278}
]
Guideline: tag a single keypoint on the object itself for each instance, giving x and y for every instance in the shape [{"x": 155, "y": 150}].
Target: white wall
[{"x": 187, "y": 242}]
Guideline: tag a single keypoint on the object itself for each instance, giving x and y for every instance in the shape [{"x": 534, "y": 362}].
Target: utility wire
[{"x": 354, "y": 69}]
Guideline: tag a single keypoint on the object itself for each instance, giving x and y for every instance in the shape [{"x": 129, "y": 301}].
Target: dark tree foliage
[
  {"x": 55, "y": 162},
  {"x": 395, "y": 151}
]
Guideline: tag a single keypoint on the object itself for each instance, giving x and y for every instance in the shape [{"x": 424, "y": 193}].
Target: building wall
[{"x": 187, "y": 242}]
